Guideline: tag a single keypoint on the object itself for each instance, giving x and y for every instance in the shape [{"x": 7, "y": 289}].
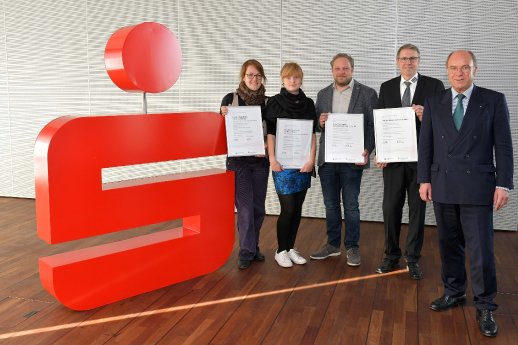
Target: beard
[{"x": 341, "y": 82}]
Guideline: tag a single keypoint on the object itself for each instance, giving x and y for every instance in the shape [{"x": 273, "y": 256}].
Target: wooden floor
[{"x": 324, "y": 302}]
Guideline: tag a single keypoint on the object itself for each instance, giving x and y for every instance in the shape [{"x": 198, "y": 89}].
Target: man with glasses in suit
[{"x": 407, "y": 90}]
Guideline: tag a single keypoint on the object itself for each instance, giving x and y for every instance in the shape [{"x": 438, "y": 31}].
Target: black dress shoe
[
  {"x": 259, "y": 256},
  {"x": 387, "y": 266},
  {"x": 414, "y": 270},
  {"x": 243, "y": 264},
  {"x": 487, "y": 323},
  {"x": 446, "y": 302}
]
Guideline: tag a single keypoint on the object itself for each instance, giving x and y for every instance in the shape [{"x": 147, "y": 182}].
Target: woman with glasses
[
  {"x": 251, "y": 172},
  {"x": 291, "y": 185}
]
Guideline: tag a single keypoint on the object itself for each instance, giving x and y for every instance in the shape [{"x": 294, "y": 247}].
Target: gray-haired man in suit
[
  {"x": 466, "y": 158},
  {"x": 345, "y": 95}
]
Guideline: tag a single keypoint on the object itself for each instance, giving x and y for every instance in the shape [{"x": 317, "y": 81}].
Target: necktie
[
  {"x": 405, "y": 101},
  {"x": 458, "y": 114}
]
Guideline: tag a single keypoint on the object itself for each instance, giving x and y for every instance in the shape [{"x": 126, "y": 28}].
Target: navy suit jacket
[
  {"x": 363, "y": 100},
  {"x": 460, "y": 164}
]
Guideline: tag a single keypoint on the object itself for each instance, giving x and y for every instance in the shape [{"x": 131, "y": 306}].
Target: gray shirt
[{"x": 341, "y": 99}]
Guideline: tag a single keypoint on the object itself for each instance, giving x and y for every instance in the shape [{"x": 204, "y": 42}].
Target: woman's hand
[
  {"x": 224, "y": 110},
  {"x": 308, "y": 167},
  {"x": 275, "y": 166}
]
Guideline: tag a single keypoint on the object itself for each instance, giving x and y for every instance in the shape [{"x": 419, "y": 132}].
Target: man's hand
[
  {"x": 418, "y": 109},
  {"x": 322, "y": 119},
  {"x": 425, "y": 192},
  {"x": 365, "y": 155},
  {"x": 379, "y": 164},
  {"x": 500, "y": 198}
]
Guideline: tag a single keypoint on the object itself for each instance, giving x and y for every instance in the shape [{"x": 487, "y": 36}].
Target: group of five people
[{"x": 455, "y": 157}]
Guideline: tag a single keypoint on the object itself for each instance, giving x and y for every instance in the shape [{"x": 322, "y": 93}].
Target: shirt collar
[
  {"x": 413, "y": 79},
  {"x": 466, "y": 93}
]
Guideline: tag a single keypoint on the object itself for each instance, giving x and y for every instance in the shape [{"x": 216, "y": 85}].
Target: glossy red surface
[
  {"x": 143, "y": 58},
  {"x": 73, "y": 203}
]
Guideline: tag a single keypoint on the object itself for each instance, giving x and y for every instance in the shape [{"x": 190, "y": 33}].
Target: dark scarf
[
  {"x": 294, "y": 106},
  {"x": 251, "y": 97}
]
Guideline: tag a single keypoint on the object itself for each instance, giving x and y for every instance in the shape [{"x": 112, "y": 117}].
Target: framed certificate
[
  {"x": 293, "y": 142},
  {"x": 344, "y": 138},
  {"x": 244, "y": 129},
  {"x": 395, "y": 135}
]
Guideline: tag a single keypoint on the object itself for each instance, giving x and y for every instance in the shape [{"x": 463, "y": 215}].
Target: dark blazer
[
  {"x": 363, "y": 100},
  {"x": 459, "y": 164},
  {"x": 390, "y": 96}
]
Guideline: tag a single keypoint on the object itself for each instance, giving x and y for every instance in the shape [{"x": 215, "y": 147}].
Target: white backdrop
[{"x": 51, "y": 64}]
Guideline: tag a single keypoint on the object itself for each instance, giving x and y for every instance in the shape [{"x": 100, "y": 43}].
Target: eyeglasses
[
  {"x": 409, "y": 59},
  {"x": 463, "y": 69},
  {"x": 252, "y": 76}
]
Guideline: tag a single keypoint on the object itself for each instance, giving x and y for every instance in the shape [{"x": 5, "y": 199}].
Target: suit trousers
[
  {"x": 400, "y": 179},
  {"x": 471, "y": 227}
]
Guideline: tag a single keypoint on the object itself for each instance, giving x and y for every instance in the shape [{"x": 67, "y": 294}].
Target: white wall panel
[
  {"x": 51, "y": 64},
  {"x": 6, "y": 156},
  {"x": 313, "y": 32},
  {"x": 48, "y": 74}
]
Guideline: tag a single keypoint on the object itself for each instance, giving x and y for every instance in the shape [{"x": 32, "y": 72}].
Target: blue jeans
[{"x": 341, "y": 179}]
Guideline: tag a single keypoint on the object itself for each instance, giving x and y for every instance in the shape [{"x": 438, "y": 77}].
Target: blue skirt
[{"x": 291, "y": 181}]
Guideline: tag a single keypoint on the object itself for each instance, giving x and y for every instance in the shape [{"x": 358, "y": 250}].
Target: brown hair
[
  {"x": 343, "y": 55},
  {"x": 251, "y": 62},
  {"x": 291, "y": 69}
]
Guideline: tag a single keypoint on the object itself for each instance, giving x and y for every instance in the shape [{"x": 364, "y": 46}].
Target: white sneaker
[
  {"x": 283, "y": 259},
  {"x": 296, "y": 257}
]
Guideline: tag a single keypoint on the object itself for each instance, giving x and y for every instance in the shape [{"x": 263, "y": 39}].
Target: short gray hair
[
  {"x": 408, "y": 46},
  {"x": 462, "y": 50}
]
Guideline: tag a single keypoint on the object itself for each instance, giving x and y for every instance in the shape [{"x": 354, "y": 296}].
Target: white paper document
[
  {"x": 244, "y": 131},
  {"x": 344, "y": 138},
  {"x": 395, "y": 135},
  {"x": 293, "y": 142}
]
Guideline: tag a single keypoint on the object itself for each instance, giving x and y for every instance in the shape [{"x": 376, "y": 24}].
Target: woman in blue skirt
[{"x": 291, "y": 185}]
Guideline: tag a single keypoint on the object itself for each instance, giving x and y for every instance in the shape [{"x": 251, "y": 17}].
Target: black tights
[{"x": 289, "y": 219}]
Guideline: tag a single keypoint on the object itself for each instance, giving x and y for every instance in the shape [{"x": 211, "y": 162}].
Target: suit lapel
[
  {"x": 445, "y": 115},
  {"x": 329, "y": 98},
  {"x": 394, "y": 89},
  {"x": 419, "y": 89},
  {"x": 354, "y": 97},
  {"x": 472, "y": 116}
]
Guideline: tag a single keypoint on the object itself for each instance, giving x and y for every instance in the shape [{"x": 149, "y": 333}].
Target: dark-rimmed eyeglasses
[
  {"x": 409, "y": 59},
  {"x": 252, "y": 76}
]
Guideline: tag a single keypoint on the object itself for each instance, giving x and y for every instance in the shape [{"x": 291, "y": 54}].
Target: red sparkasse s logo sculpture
[{"x": 73, "y": 203}]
